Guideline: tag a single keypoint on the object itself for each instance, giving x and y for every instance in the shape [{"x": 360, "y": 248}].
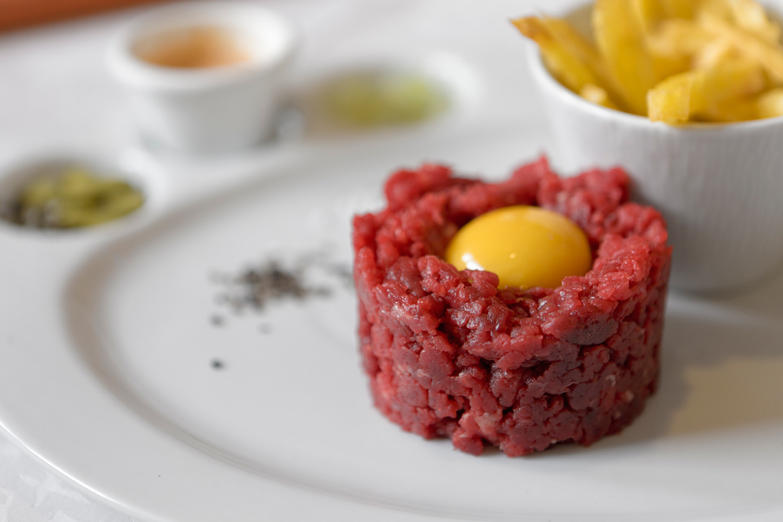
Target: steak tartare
[{"x": 449, "y": 354}]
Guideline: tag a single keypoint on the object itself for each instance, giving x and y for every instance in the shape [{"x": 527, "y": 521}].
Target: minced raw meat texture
[{"x": 450, "y": 355}]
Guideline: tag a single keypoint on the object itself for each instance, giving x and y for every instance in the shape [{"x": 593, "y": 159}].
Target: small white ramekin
[
  {"x": 208, "y": 110},
  {"x": 719, "y": 186}
]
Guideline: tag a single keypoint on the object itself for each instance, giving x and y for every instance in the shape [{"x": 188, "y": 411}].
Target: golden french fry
[
  {"x": 724, "y": 81},
  {"x": 581, "y": 47},
  {"x": 731, "y": 110},
  {"x": 770, "y": 104},
  {"x": 716, "y": 8},
  {"x": 750, "y": 46},
  {"x": 570, "y": 56},
  {"x": 670, "y": 101},
  {"x": 564, "y": 64},
  {"x": 679, "y": 8},
  {"x": 666, "y": 65},
  {"x": 622, "y": 43},
  {"x": 650, "y": 13},
  {"x": 577, "y": 44},
  {"x": 751, "y": 16},
  {"x": 676, "y": 37},
  {"x": 713, "y": 54},
  {"x": 597, "y": 95},
  {"x": 677, "y": 99}
]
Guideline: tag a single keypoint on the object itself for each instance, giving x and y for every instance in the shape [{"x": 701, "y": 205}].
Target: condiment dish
[
  {"x": 26, "y": 167},
  {"x": 210, "y": 109}
]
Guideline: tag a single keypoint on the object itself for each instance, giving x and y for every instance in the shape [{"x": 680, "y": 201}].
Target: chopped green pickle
[
  {"x": 374, "y": 99},
  {"x": 73, "y": 199}
]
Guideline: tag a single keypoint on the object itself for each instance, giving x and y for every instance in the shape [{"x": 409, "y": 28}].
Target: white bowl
[
  {"x": 206, "y": 110},
  {"x": 719, "y": 186}
]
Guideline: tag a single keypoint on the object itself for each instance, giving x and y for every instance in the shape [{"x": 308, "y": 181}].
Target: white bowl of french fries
[{"x": 687, "y": 96}]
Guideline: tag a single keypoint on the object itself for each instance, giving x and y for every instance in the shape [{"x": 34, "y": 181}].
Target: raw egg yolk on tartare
[{"x": 525, "y": 246}]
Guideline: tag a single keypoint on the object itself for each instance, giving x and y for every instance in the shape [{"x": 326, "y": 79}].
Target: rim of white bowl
[
  {"x": 547, "y": 81},
  {"x": 131, "y": 70}
]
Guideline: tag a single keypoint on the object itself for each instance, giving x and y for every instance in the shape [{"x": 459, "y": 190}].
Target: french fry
[
  {"x": 726, "y": 80},
  {"x": 770, "y": 104},
  {"x": 580, "y": 46},
  {"x": 731, "y": 111},
  {"x": 720, "y": 9},
  {"x": 621, "y": 41},
  {"x": 576, "y": 43},
  {"x": 670, "y": 101},
  {"x": 650, "y": 14},
  {"x": 677, "y": 99},
  {"x": 750, "y": 16},
  {"x": 679, "y": 37},
  {"x": 572, "y": 58},
  {"x": 713, "y": 53},
  {"x": 679, "y": 8},
  {"x": 750, "y": 46},
  {"x": 597, "y": 95},
  {"x": 665, "y": 66},
  {"x": 562, "y": 62}
]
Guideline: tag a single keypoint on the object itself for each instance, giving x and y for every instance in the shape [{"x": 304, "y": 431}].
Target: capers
[{"x": 73, "y": 199}]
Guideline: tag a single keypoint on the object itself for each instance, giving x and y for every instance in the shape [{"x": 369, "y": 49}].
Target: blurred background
[{"x": 17, "y": 14}]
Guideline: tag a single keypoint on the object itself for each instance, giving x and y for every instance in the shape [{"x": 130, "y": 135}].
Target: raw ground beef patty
[{"x": 450, "y": 355}]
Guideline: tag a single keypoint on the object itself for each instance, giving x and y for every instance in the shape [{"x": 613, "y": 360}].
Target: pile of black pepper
[
  {"x": 256, "y": 286},
  {"x": 270, "y": 280}
]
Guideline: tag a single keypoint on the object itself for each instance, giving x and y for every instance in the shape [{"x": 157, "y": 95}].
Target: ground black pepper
[{"x": 255, "y": 286}]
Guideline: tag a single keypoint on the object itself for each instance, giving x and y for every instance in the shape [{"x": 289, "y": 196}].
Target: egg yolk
[{"x": 525, "y": 246}]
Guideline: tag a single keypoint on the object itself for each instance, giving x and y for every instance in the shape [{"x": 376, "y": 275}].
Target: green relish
[
  {"x": 390, "y": 98},
  {"x": 74, "y": 198}
]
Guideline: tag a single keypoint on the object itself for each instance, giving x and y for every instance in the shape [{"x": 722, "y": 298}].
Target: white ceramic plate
[{"x": 107, "y": 334}]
